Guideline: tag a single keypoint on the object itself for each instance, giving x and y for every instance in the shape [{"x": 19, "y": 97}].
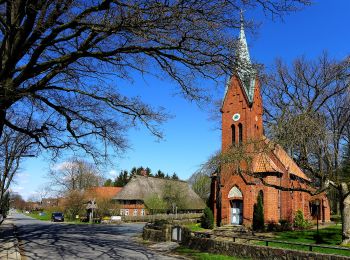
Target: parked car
[{"x": 57, "y": 216}]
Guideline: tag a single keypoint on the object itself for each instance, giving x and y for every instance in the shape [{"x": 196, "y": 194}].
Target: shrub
[
  {"x": 336, "y": 219},
  {"x": 258, "y": 214},
  {"x": 272, "y": 226},
  {"x": 285, "y": 225},
  {"x": 207, "y": 219},
  {"x": 299, "y": 221}
]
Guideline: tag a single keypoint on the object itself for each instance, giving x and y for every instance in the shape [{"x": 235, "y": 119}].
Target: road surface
[{"x": 46, "y": 240}]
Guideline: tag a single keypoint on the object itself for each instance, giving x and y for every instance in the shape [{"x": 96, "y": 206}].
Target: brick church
[{"x": 271, "y": 172}]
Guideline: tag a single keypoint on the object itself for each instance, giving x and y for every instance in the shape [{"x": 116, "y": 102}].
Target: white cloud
[
  {"x": 113, "y": 173},
  {"x": 62, "y": 165}
]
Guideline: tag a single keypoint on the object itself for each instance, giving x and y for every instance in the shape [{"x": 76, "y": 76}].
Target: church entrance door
[{"x": 236, "y": 212}]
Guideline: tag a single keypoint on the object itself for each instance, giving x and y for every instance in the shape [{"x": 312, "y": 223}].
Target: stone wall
[
  {"x": 253, "y": 251},
  {"x": 157, "y": 235},
  {"x": 232, "y": 248}
]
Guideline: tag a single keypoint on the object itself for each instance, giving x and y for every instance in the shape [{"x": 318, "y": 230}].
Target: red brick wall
[
  {"x": 131, "y": 206},
  {"x": 251, "y": 117},
  {"x": 277, "y": 204}
]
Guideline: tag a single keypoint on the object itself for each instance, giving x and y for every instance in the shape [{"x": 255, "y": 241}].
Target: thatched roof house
[{"x": 143, "y": 189}]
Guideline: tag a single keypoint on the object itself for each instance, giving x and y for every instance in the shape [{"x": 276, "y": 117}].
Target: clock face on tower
[{"x": 236, "y": 117}]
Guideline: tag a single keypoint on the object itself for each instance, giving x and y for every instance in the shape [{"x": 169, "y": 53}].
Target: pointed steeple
[
  {"x": 243, "y": 66},
  {"x": 242, "y": 51}
]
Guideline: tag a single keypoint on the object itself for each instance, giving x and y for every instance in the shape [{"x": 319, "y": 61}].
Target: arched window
[
  {"x": 233, "y": 133},
  {"x": 240, "y": 133}
]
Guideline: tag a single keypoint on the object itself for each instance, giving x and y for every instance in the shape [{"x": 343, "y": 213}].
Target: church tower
[
  {"x": 242, "y": 104},
  {"x": 234, "y": 192}
]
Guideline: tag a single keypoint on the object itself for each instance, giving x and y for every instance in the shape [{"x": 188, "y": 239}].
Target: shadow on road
[{"x": 45, "y": 240}]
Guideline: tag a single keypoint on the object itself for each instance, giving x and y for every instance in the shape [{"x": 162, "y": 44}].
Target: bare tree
[
  {"x": 14, "y": 147},
  {"x": 200, "y": 183},
  {"x": 308, "y": 112},
  {"x": 74, "y": 175},
  {"x": 62, "y": 62},
  {"x": 200, "y": 180}
]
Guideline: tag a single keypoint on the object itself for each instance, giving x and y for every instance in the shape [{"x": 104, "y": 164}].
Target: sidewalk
[{"x": 8, "y": 242}]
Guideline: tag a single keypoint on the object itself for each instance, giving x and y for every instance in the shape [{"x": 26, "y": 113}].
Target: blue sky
[{"x": 190, "y": 138}]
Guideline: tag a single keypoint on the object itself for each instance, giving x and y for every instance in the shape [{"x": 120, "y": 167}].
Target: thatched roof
[{"x": 142, "y": 187}]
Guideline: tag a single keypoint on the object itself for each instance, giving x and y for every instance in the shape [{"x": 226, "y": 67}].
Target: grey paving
[
  {"x": 46, "y": 240},
  {"x": 8, "y": 242}
]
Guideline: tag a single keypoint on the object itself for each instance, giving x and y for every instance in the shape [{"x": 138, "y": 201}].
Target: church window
[
  {"x": 233, "y": 132},
  {"x": 240, "y": 132}
]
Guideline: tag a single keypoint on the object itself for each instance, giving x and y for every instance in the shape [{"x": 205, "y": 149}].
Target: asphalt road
[{"x": 46, "y": 240}]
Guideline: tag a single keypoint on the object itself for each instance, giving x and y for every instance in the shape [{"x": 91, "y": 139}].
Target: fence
[{"x": 170, "y": 217}]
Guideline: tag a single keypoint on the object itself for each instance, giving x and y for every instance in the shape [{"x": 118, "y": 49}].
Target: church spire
[
  {"x": 243, "y": 65},
  {"x": 243, "y": 52}
]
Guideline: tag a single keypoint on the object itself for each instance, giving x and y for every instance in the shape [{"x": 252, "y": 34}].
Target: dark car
[{"x": 57, "y": 216}]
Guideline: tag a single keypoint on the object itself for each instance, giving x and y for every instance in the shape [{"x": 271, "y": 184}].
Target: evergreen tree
[
  {"x": 148, "y": 171},
  {"x": 139, "y": 170},
  {"x": 159, "y": 174},
  {"x": 258, "y": 214},
  {"x": 122, "y": 179},
  {"x": 207, "y": 219},
  {"x": 174, "y": 176},
  {"x": 133, "y": 171},
  {"x": 108, "y": 183}
]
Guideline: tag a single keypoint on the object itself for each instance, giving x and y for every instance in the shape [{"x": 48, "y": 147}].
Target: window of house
[
  {"x": 135, "y": 212},
  {"x": 240, "y": 132},
  {"x": 142, "y": 212},
  {"x": 233, "y": 133},
  {"x": 126, "y": 212},
  {"x": 122, "y": 212}
]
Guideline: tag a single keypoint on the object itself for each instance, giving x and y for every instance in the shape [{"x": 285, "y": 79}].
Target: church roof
[
  {"x": 265, "y": 162},
  {"x": 288, "y": 162}
]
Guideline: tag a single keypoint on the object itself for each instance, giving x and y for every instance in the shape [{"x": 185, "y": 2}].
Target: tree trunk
[
  {"x": 2, "y": 120},
  {"x": 345, "y": 212}
]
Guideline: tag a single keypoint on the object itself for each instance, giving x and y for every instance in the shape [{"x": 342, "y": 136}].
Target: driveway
[{"x": 46, "y": 240}]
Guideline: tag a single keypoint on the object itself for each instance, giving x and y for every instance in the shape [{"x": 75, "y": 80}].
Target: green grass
[
  {"x": 197, "y": 255},
  {"x": 195, "y": 227},
  {"x": 331, "y": 236},
  {"x": 46, "y": 217}
]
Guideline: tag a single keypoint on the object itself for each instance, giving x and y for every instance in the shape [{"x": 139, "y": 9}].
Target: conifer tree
[{"x": 258, "y": 214}]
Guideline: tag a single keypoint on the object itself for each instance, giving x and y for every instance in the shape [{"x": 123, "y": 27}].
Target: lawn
[
  {"x": 195, "y": 227},
  {"x": 45, "y": 217},
  {"x": 197, "y": 255},
  {"x": 331, "y": 236}
]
